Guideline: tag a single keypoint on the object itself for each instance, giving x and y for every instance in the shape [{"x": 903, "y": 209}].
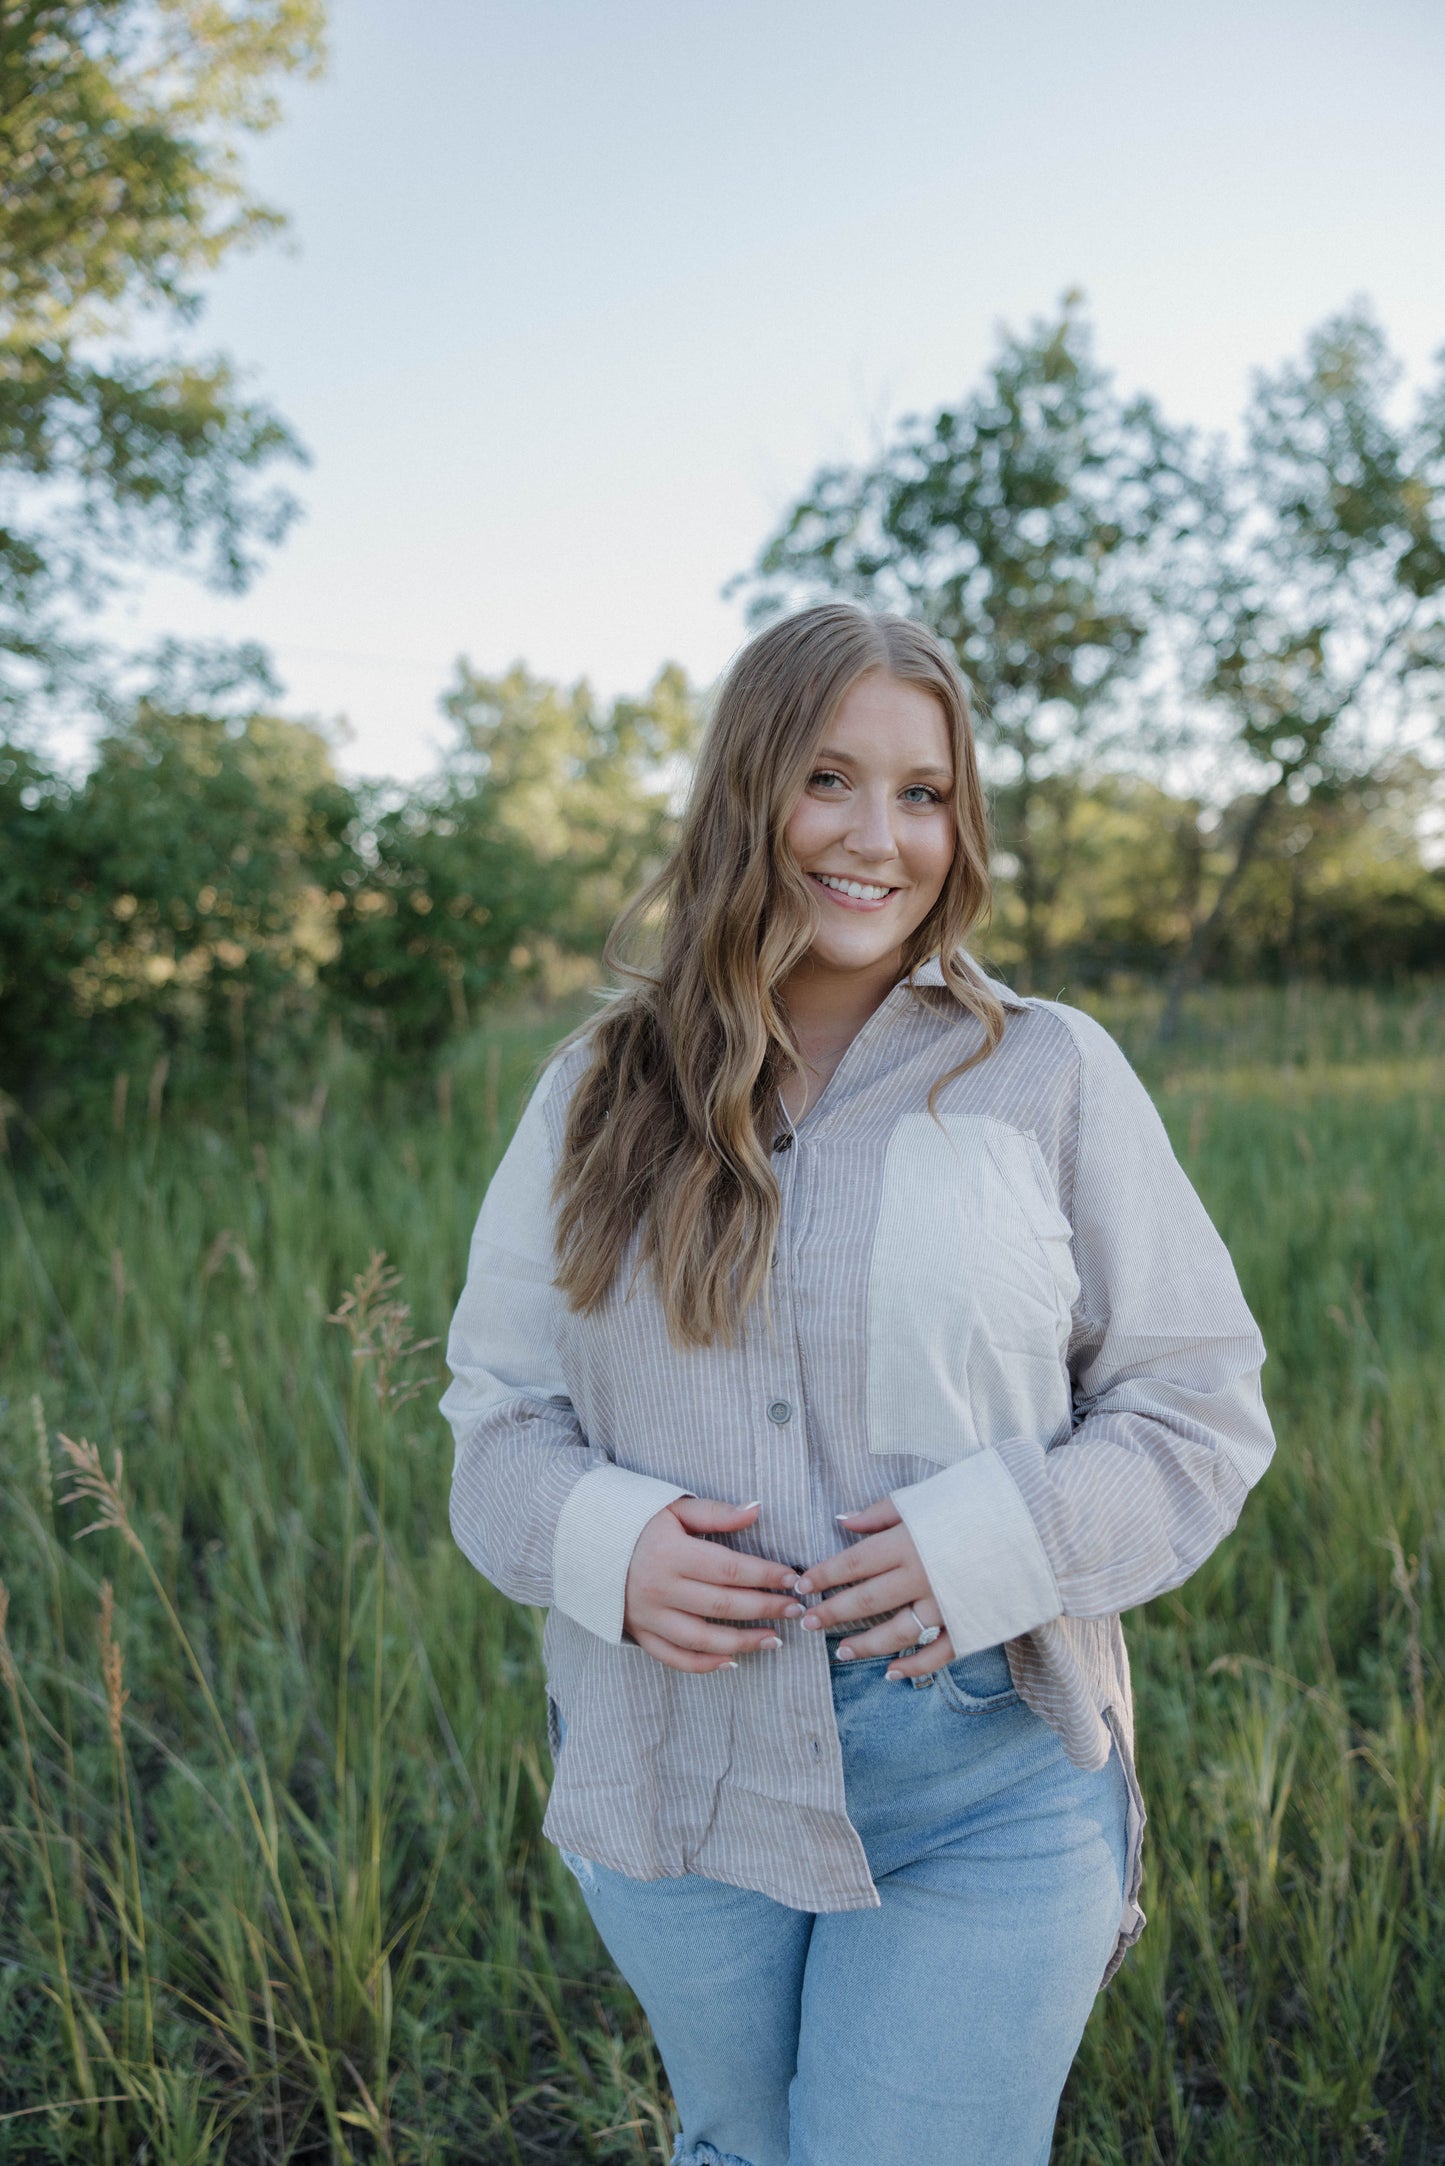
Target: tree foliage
[
  {"x": 1319, "y": 613},
  {"x": 516, "y": 856},
  {"x": 178, "y": 893},
  {"x": 119, "y": 128},
  {"x": 1028, "y": 523},
  {"x": 1280, "y": 602},
  {"x": 212, "y": 890}
]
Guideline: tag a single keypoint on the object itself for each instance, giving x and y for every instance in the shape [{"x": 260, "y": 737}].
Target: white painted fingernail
[
  {"x": 752, "y": 1507},
  {"x": 895, "y": 1676},
  {"x": 844, "y": 1654},
  {"x": 733, "y": 1665},
  {"x": 772, "y": 1640}
]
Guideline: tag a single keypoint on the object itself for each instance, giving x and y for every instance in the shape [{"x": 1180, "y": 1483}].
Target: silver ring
[{"x": 927, "y": 1634}]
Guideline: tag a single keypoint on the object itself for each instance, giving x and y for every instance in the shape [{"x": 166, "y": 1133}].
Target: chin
[{"x": 853, "y": 954}]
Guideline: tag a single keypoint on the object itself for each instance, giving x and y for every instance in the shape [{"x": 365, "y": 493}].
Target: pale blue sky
[{"x": 579, "y": 292}]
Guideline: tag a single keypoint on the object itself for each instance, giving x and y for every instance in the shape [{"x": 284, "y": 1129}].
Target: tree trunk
[{"x": 1192, "y": 964}]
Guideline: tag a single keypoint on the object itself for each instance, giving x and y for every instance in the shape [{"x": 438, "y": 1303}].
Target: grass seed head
[
  {"x": 112, "y": 1663},
  {"x": 90, "y": 1484},
  {"x": 42, "y": 1448},
  {"x": 379, "y": 1327}
]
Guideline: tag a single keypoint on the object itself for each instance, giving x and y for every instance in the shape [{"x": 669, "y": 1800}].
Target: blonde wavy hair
[{"x": 669, "y": 1130}]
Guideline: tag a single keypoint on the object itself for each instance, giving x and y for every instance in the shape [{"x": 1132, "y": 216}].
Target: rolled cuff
[
  {"x": 597, "y": 1530},
  {"x": 989, "y": 1572}
]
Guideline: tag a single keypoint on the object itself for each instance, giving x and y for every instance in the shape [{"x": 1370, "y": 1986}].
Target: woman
[{"x": 842, "y": 1349}]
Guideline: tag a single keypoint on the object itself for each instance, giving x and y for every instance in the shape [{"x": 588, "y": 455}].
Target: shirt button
[
  {"x": 779, "y": 1410},
  {"x": 782, "y": 1143}
]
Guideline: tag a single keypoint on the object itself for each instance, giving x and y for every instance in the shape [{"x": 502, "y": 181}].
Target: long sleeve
[
  {"x": 542, "y": 1514},
  {"x": 1170, "y": 1431}
]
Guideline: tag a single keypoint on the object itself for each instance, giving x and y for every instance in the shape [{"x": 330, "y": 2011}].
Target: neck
[{"x": 827, "y": 1008}]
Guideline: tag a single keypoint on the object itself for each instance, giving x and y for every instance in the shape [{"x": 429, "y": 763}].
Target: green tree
[
  {"x": 1029, "y": 525},
  {"x": 511, "y": 863},
  {"x": 119, "y": 123},
  {"x": 1134, "y": 856},
  {"x": 180, "y": 897},
  {"x": 1339, "y": 886},
  {"x": 36, "y": 863},
  {"x": 1319, "y": 611}
]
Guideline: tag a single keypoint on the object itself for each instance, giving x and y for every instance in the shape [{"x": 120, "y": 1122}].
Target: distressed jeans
[{"x": 935, "y": 2031}]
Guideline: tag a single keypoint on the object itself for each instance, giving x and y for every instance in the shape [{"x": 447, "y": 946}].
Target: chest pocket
[{"x": 970, "y": 1288}]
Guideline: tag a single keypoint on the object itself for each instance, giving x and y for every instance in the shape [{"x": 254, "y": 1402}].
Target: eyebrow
[{"x": 827, "y": 756}]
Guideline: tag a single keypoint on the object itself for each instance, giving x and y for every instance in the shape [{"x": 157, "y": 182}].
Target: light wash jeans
[{"x": 936, "y": 2031}]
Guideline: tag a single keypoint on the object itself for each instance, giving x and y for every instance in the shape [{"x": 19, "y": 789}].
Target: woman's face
[{"x": 874, "y": 830}]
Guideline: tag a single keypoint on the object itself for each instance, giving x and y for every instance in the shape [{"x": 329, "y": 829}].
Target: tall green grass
[{"x": 272, "y": 1758}]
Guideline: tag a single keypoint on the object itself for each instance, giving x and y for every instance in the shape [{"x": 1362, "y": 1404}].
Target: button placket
[
  {"x": 783, "y": 1473},
  {"x": 807, "y": 1678},
  {"x": 780, "y": 1409}
]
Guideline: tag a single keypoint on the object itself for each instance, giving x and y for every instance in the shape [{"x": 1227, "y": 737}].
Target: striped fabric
[{"x": 1015, "y": 1319}]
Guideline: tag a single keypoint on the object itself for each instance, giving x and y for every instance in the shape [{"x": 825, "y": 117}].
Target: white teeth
[{"x": 860, "y": 890}]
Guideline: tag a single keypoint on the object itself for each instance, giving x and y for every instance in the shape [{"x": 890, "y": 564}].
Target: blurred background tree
[
  {"x": 506, "y": 870},
  {"x": 177, "y": 897},
  {"x": 1130, "y": 601},
  {"x": 119, "y": 127},
  {"x": 1029, "y": 524},
  {"x": 1209, "y": 673},
  {"x": 210, "y": 888},
  {"x": 1319, "y": 613}
]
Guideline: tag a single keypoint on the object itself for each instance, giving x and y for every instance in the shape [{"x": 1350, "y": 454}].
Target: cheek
[
  {"x": 810, "y": 828},
  {"x": 931, "y": 857}
]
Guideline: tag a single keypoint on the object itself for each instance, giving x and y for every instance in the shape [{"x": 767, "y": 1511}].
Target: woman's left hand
[{"x": 882, "y": 1572}]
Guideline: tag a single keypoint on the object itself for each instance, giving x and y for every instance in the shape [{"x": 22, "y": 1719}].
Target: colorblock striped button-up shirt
[{"x": 1015, "y": 1318}]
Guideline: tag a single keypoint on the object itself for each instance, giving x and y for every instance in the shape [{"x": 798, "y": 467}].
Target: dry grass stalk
[
  {"x": 112, "y": 1664},
  {"x": 379, "y": 1327},
  {"x": 1405, "y": 1579},
  {"x": 90, "y": 1484},
  {"x": 65, "y": 1996},
  {"x": 42, "y": 1451},
  {"x": 229, "y": 1244}
]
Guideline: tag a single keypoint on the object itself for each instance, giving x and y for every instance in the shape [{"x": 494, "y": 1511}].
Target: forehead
[{"x": 880, "y": 717}]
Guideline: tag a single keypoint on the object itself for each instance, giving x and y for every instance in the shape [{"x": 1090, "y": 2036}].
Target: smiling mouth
[{"x": 853, "y": 894}]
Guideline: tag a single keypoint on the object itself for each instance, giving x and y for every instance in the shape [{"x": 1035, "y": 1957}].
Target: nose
[{"x": 871, "y": 835}]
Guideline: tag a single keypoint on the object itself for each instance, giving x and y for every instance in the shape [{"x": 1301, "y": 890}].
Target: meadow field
[{"x": 272, "y": 1756}]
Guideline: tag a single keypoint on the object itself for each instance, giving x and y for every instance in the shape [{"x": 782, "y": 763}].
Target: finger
[
  {"x": 679, "y": 1658},
  {"x": 720, "y": 1567},
  {"x": 873, "y": 1518},
  {"x": 924, "y": 1661},
  {"x": 896, "y": 1635},
  {"x": 873, "y": 1598},
  {"x": 685, "y": 1630},
  {"x": 875, "y": 1553},
  {"x": 712, "y": 1515},
  {"x": 705, "y": 1598}
]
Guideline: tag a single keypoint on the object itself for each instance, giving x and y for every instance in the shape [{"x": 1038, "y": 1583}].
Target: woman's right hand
[{"x": 677, "y": 1583}]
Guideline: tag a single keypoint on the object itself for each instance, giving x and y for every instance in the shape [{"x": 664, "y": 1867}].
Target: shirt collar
[{"x": 931, "y": 973}]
